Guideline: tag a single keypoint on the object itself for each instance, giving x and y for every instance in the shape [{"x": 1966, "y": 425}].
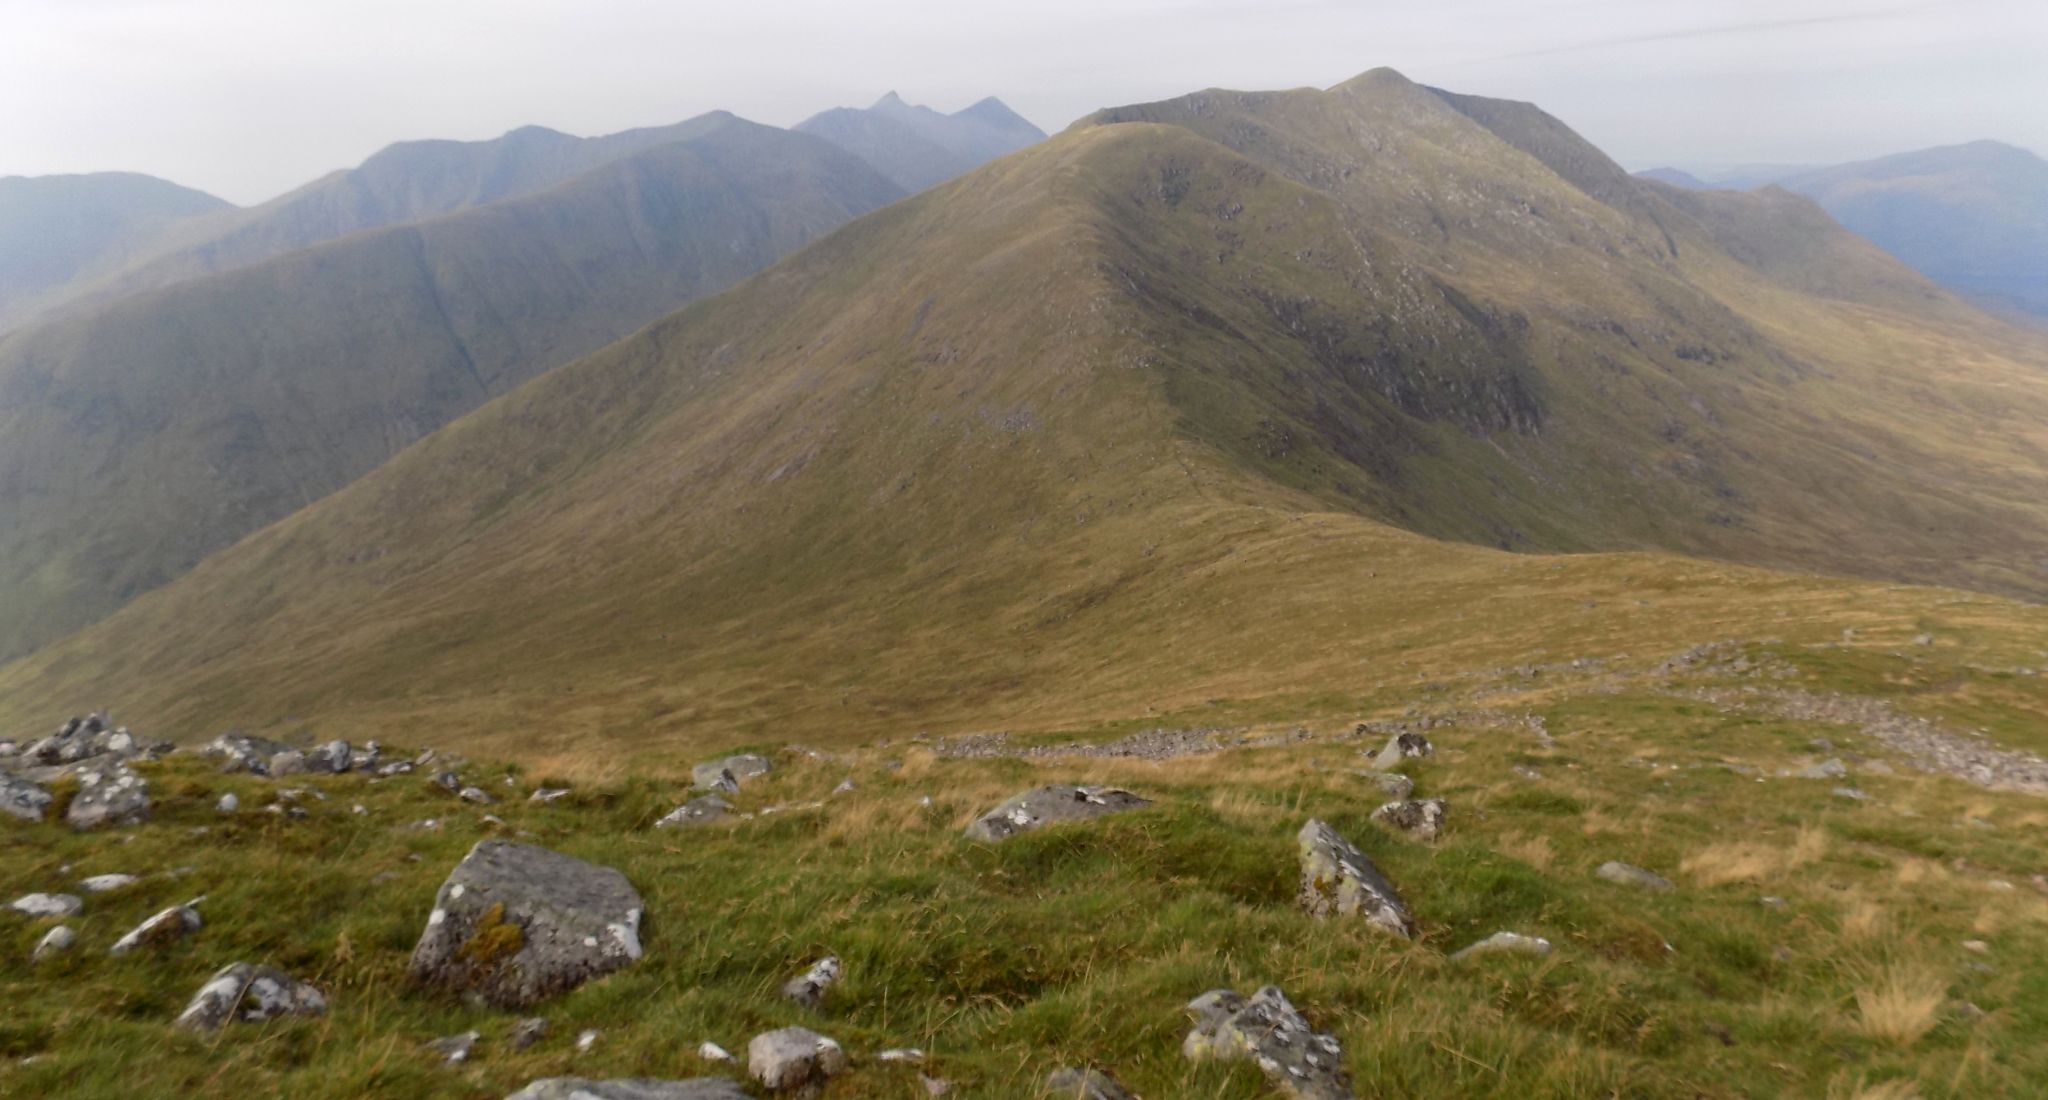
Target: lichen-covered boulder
[
  {"x": 702, "y": 810},
  {"x": 1402, "y": 746},
  {"x": 794, "y": 1058},
  {"x": 1627, "y": 874},
  {"x": 331, "y": 758},
  {"x": 241, "y": 991},
  {"x": 1271, "y": 1032},
  {"x": 636, "y": 1088},
  {"x": 1083, "y": 1084},
  {"x": 1421, "y": 818},
  {"x": 727, "y": 774},
  {"x": 112, "y": 795},
  {"x": 515, "y": 923},
  {"x": 165, "y": 928},
  {"x": 1338, "y": 880},
  {"x": 23, "y": 799},
  {"x": 1051, "y": 804}
]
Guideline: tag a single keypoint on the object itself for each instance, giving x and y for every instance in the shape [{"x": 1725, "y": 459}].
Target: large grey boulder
[
  {"x": 1421, "y": 818},
  {"x": 23, "y": 799},
  {"x": 1338, "y": 880},
  {"x": 794, "y": 1059},
  {"x": 1626, "y": 874},
  {"x": 1269, "y": 1031},
  {"x": 241, "y": 991},
  {"x": 165, "y": 928},
  {"x": 1083, "y": 1084},
  {"x": 702, "y": 810},
  {"x": 1051, "y": 804},
  {"x": 727, "y": 774},
  {"x": 636, "y": 1088},
  {"x": 112, "y": 795},
  {"x": 515, "y": 923}
]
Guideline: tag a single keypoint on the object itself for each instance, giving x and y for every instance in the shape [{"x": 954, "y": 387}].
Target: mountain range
[
  {"x": 57, "y": 230},
  {"x": 1972, "y": 217},
  {"x": 919, "y": 147},
  {"x": 1068, "y": 437}
]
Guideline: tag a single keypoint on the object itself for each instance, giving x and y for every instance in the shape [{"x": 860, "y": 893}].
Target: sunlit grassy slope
[
  {"x": 1080, "y": 944},
  {"x": 1130, "y": 422}
]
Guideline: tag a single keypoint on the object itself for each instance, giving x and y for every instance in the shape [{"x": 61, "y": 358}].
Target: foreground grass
[{"x": 1080, "y": 944}]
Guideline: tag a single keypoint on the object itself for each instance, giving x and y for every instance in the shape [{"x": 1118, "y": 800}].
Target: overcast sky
[{"x": 247, "y": 98}]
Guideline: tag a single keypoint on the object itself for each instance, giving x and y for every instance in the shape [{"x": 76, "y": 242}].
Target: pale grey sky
[{"x": 247, "y": 98}]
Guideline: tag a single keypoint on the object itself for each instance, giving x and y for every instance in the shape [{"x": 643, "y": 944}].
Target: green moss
[{"x": 493, "y": 939}]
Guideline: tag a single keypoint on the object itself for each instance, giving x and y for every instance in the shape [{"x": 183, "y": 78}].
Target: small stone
[
  {"x": 165, "y": 928},
  {"x": 587, "y": 1038},
  {"x": 1505, "y": 943},
  {"x": 1338, "y": 880},
  {"x": 290, "y": 762},
  {"x": 102, "y": 884},
  {"x": 548, "y": 794},
  {"x": 712, "y": 1052},
  {"x": 228, "y": 803},
  {"x": 240, "y": 991},
  {"x": 54, "y": 942},
  {"x": 1050, "y": 804},
  {"x": 454, "y": 1049},
  {"x": 1083, "y": 1084},
  {"x": 727, "y": 774},
  {"x": 1978, "y": 946},
  {"x": 331, "y": 758},
  {"x": 809, "y": 988},
  {"x": 1851, "y": 794},
  {"x": 701, "y": 810},
  {"x": 1627, "y": 874},
  {"x": 23, "y": 799},
  {"x": 47, "y": 905},
  {"x": 477, "y": 795},
  {"x": 1392, "y": 784},
  {"x": 901, "y": 1054},
  {"x": 1831, "y": 768},
  {"x": 934, "y": 1086},
  {"x": 846, "y": 786},
  {"x": 1422, "y": 819},
  {"x": 1771, "y": 901},
  {"x": 794, "y": 1058},
  {"x": 529, "y": 1031}
]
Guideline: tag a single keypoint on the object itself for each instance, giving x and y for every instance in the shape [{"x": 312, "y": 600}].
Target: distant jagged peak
[
  {"x": 1375, "y": 79},
  {"x": 994, "y": 112},
  {"x": 890, "y": 101}
]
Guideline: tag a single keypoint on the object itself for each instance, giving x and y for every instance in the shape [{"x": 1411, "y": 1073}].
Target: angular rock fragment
[
  {"x": 636, "y": 1088},
  {"x": 1402, "y": 746},
  {"x": 808, "y": 989},
  {"x": 23, "y": 799},
  {"x": 1627, "y": 874},
  {"x": 1049, "y": 805},
  {"x": 1505, "y": 943},
  {"x": 1392, "y": 784},
  {"x": 548, "y": 794},
  {"x": 701, "y": 810},
  {"x": 162, "y": 930},
  {"x": 243, "y": 753},
  {"x": 794, "y": 1058},
  {"x": 103, "y": 884},
  {"x": 1270, "y": 1032},
  {"x": 240, "y": 991},
  {"x": 1338, "y": 880},
  {"x": 515, "y": 923},
  {"x": 712, "y": 1052},
  {"x": 454, "y": 1049},
  {"x": 1422, "y": 819},
  {"x": 529, "y": 1031},
  {"x": 727, "y": 774},
  {"x": 47, "y": 905},
  {"x": 54, "y": 942},
  {"x": 331, "y": 758},
  {"x": 228, "y": 804}
]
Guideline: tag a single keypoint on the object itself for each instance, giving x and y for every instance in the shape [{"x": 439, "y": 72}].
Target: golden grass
[
  {"x": 1901, "y": 1003},
  {"x": 1898, "y": 1088},
  {"x": 1864, "y": 921},
  {"x": 1754, "y": 860},
  {"x": 1533, "y": 849}
]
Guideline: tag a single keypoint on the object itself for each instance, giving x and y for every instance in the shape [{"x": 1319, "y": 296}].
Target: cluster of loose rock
[{"x": 94, "y": 754}]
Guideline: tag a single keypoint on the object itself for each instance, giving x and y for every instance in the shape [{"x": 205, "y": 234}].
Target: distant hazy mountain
[
  {"x": 58, "y": 229},
  {"x": 404, "y": 182},
  {"x": 1676, "y": 177},
  {"x": 139, "y": 436},
  {"x": 917, "y": 146},
  {"x": 1972, "y": 217}
]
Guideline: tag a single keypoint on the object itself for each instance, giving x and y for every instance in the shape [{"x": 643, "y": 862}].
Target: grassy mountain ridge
[
  {"x": 56, "y": 230},
  {"x": 1113, "y": 427},
  {"x": 137, "y": 438}
]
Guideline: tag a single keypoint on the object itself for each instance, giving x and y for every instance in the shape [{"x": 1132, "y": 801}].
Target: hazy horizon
[{"x": 247, "y": 100}]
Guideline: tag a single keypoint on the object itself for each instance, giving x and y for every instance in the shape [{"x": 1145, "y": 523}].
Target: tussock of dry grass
[
  {"x": 1754, "y": 860},
  {"x": 1902, "y": 1003}
]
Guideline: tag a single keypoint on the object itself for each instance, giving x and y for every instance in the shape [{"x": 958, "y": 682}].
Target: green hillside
[
  {"x": 1122, "y": 424},
  {"x": 137, "y": 438}
]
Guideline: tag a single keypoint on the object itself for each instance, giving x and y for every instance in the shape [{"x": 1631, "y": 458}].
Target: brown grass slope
[
  {"x": 140, "y": 437},
  {"x": 1107, "y": 431}
]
